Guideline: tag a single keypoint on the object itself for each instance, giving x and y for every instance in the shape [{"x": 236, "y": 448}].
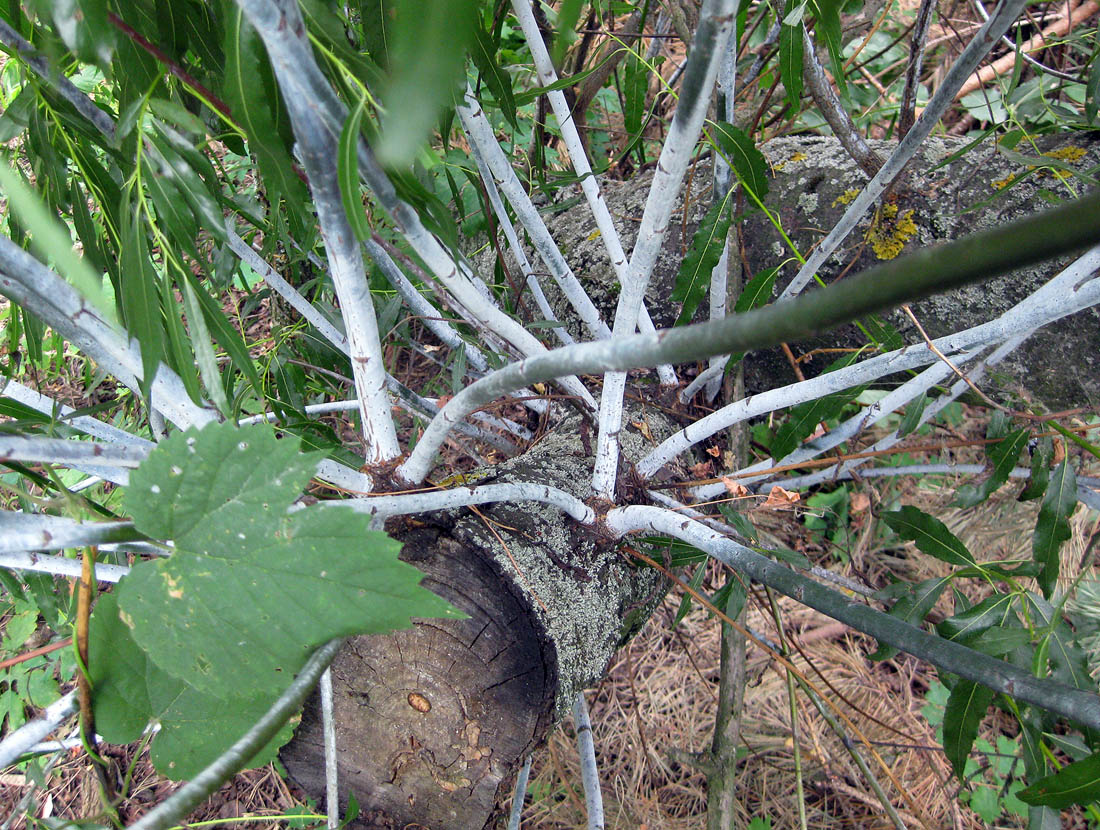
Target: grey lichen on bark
[{"x": 812, "y": 179}]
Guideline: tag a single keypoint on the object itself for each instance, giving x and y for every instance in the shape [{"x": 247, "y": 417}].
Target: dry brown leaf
[
  {"x": 780, "y": 499},
  {"x": 736, "y": 489},
  {"x": 860, "y": 502},
  {"x": 643, "y": 428}
]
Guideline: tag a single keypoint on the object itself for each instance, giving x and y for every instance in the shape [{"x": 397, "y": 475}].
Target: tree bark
[{"x": 433, "y": 722}]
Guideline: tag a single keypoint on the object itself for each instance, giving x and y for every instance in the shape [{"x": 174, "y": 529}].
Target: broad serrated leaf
[
  {"x": 215, "y": 613},
  {"x": 930, "y": 534},
  {"x": 1041, "y": 458},
  {"x": 347, "y": 171},
  {"x": 912, "y": 607},
  {"x": 693, "y": 279},
  {"x": 1077, "y": 783},
  {"x": 744, "y": 157},
  {"x": 483, "y": 50},
  {"x": 130, "y": 691},
  {"x": 790, "y": 58},
  {"x": 967, "y": 705},
  {"x": 1052, "y": 527}
]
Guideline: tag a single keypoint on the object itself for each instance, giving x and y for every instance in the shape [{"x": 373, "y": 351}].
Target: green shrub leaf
[
  {"x": 1077, "y": 783},
  {"x": 1052, "y": 527},
  {"x": 965, "y": 709},
  {"x": 930, "y": 534},
  {"x": 693, "y": 280},
  {"x": 249, "y": 590}
]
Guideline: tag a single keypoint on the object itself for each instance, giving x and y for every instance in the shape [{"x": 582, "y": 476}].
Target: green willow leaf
[
  {"x": 347, "y": 170},
  {"x": 743, "y": 156},
  {"x": 912, "y": 607},
  {"x": 911, "y": 420},
  {"x": 757, "y": 291},
  {"x": 50, "y": 240},
  {"x": 828, "y": 28},
  {"x": 483, "y": 51},
  {"x": 428, "y": 47},
  {"x": 252, "y": 105},
  {"x": 1041, "y": 458},
  {"x": 693, "y": 279},
  {"x": 930, "y": 534},
  {"x": 967, "y": 705},
  {"x": 1077, "y": 783},
  {"x": 635, "y": 87},
  {"x": 1052, "y": 527},
  {"x": 1004, "y": 454},
  {"x": 790, "y": 56},
  {"x": 804, "y": 418},
  {"x": 140, "y": 295},
  {"x": 994, "y": 610}
]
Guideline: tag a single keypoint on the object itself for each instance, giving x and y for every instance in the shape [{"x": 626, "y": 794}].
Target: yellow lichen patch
[
  {"x": 846, "y": 197},
  {"x": 1069, "y": 153},
  {"x": 1001, "y": 184},
  {"x": 890, "y": 231},
  {"x": 779, "y": 165}
]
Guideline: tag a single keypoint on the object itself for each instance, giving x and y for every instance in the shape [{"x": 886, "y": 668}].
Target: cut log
[{"x": 433, "y": 722}]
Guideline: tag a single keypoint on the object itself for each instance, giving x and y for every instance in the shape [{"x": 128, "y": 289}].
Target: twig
[
  {"x": 912, "y": 69},
  {"x": 590, "y": 773}
]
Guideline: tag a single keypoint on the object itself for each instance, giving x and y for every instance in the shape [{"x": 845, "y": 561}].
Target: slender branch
[
  {"x": 57, "y": 565},
  {"x": 533, "y": 284},
  {"x": 834, "y": 111},
  {"x": 318, "y": 151},
  {"x": 518, "y": 794},
  {"x": 429, "y": 500},
  {"x": 919, "y": 274},
  {"x": 71, "y": 453},
  {"x": 328, "y": 727},
  {"x": 284, "y": 289},
  {"x": 944, "y": 97},
  {"x": 34, "y": 531},
  {"x": 33, "y": 59},
  {"x": 913, "y": 67},
  {"x": 716, "y": 22},
  {"x": 29, "y": 734},
  {"x": 173, "y": 809},
  {"x": 485, "y": 145},
  {"x": 1077, "y": 705},
  {"x": 436, "y": 323},
  {"x": 64, "y": 415},
  {"x": 589, "y": 184},
  {"x": 590, "y": 773}
]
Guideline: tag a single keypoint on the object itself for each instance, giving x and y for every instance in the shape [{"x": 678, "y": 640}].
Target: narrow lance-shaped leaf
[
  {"x": 911, "y": 420},
  {"x": 1077, "y": 783},
  {"x": 965, "y": 709},
  {"x": 483, "y": 52},
  {"x": 743, "y": 156},
  {"x": 347, "y": 170},
  {"x": 140, "y": 295},
  {"x": 1041, "y": 457},
  {"x": 804, "y": 418},
  {"x": 930, "y": 534},
  {"x": 1052, "y": 527},
  {"x": 913, "y": 606},
  {"x": 790, "y": 52},
  {"x": 1004, "y": 454},
  {"x": 635, "y": 86},
  {"x": 706, "y": 249}
]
